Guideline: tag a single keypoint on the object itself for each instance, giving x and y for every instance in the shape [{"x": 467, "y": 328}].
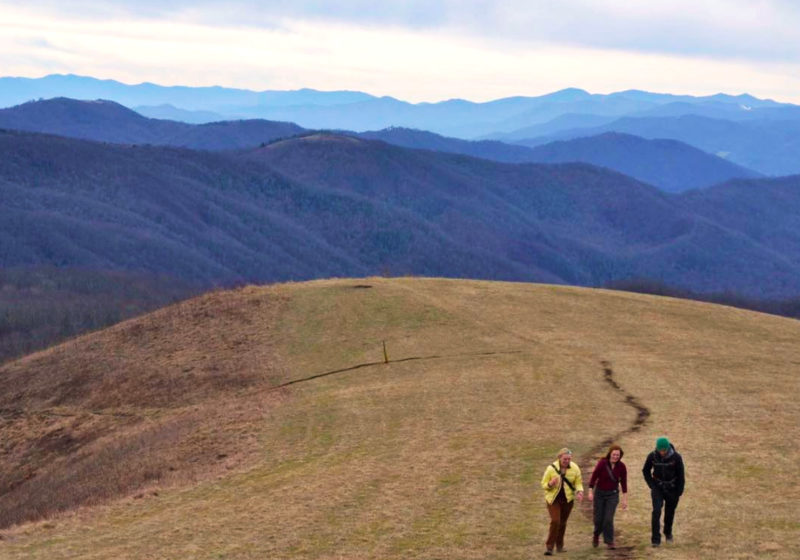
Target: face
[
  {"x": 565, "y": 459},
  {"x": 615, "y": 455},
  {"x": 662, "y": 452}
]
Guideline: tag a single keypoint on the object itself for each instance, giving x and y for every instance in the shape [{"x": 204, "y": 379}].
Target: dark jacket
[
  {"x": 665, "y": 473},
  {"x": 603, "y": 481}
]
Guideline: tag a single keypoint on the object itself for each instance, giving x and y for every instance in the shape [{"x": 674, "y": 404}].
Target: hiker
[
  {"x": 609, "y": 474},
  {"x": 664, "y": 474},
  {"x": 562, "y": 484}
]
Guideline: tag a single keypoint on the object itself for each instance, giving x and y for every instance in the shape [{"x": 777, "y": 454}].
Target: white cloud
[
  {"x": 742, "y": 29},
  {"x": 757, "y": 29},
  {"x": 509, "y": 48}
]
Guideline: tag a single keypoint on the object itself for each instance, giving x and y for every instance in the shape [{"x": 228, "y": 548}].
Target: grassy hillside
[{"x": 263, "y": 423}]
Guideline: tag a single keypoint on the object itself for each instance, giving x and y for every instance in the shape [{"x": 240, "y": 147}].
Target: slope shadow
[{"x": 370, "y": 364}]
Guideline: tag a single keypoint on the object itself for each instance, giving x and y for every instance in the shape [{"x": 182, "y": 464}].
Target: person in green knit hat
[{"x": 664, "y": 473}]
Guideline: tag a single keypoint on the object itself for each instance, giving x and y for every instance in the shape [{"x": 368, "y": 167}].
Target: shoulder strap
[
  {"x": 611, "y": 473},
  {"x": 564, "y": 478}
]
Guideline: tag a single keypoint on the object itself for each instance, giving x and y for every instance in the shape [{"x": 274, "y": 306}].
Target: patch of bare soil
[{"x": 591, "y": 457}]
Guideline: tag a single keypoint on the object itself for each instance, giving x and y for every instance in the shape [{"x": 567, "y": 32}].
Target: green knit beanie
[{"x": 662, "y": 444}]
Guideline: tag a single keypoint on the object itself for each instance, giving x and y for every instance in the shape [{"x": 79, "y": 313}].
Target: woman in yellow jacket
[{"x": 562, "y": 483}]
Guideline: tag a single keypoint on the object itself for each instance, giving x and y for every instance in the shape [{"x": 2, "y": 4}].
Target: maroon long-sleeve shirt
[{"x": 602, "y": 480}]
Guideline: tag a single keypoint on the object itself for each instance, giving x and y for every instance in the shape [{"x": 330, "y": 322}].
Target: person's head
[
  {"x": 662, "y": 445},
  {"x": 614, "y": 454},
  {"x": 564, "y": 457}
]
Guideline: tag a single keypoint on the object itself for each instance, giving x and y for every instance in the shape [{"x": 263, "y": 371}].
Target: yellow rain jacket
[{"x": 573, "y": 475}]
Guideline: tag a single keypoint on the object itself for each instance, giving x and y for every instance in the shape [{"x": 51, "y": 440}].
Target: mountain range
[
  {"x": 106, "y": 121},
  {"x": 669, "y": 165},
  {"x": 767, "y": 146},
  {"x": 333, "y": 205},
  {"x": 361, "y": 111},
  {"x": 758, "y": 134},
  {"x": 15, "y": 90}
]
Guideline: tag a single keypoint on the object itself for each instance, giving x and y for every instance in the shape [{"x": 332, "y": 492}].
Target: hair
[
  {"x": 613, "y": 447},
  {"x": 564, "y": 451}
]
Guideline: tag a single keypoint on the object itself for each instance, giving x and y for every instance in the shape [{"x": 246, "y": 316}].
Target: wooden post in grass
[{"x": 385, "y": 355}]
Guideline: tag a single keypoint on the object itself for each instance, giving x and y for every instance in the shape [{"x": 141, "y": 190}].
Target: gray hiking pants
[{"x": 605, "y": 505}]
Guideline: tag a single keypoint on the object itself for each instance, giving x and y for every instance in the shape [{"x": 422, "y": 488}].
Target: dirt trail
[
  {"x": 586, "y": 461},
  {"x": 589, "y": 459}
]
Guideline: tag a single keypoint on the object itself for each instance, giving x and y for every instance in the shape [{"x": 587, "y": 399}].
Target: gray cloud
[
  {"x": 411, "y": 13},
  {"x": 741, "y": 29}
]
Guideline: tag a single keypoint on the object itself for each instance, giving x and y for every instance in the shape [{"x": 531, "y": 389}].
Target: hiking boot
[
  {"x": 560, "y": 550},
  {"x": 611, "y": 545},
  {"x": 669, "y": 538},
  {"x": 548, "y": 552},
  {"x": 655, "y": 544},
  {"x": 595, "y": 540}
]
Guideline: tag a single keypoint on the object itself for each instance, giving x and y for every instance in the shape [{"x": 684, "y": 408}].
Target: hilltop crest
[{"x": 298, "y": 419}]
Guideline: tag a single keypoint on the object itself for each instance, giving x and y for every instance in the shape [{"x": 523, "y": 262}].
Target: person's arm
[
  {"x": 680, "y": 475},
  {"x": 594, "y": 478},
  {"x": 647, "y": 470},
  {"x": 595, "y": 474},
  {"x": 623, "y": 480},
  {"x": 578, "y": 483},
  {"x": 550, "y": 478},
  {"x": 623, "y": 477}
]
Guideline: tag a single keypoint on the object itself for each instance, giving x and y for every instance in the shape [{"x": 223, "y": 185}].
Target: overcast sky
[{"x": 417, "y": 50}]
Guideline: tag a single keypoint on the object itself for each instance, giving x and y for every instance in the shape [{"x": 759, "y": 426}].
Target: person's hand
[
  {"x": 591, "y": 495},
  {"x": 554, "y": 481},
  {"x": 580, "y": 496},
  {"x": 624, "y": 501}
]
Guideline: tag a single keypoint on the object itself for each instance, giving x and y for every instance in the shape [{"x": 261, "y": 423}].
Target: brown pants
[{"x": 559, "y": 513}]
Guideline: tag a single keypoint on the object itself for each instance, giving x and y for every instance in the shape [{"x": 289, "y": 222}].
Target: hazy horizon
[
  {"x": 220, "y": 85},
  {"x": 416, "y": 51}
]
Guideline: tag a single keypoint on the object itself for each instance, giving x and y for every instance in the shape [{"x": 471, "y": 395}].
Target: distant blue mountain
[
  {"x": 424, "y": 140},
  {"x": 723, "y": 107},
  {"x": 172, "y": 113},
  {"x": 710, "y": 109},
  {"x": 359, "y": 111},
  {"x": 667, "y": 164},
  {"x": 108, "y": 121},
  {"x": 767, "y": 145},
  {"x": 565, "y": 122},
  {"x": 462, "y": 119},
  {"x": 671, "y": 165},
  {"x": 572, "y": 220},
  {"x": 14, "y": 91},
  {"x": 330, "y": 205},
  {"x": 767, "y": 211}
]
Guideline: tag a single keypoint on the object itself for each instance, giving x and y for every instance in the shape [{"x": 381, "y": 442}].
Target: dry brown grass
[
  {"x": 438, "y": 457},
  {"x": 156, "y": 400}
]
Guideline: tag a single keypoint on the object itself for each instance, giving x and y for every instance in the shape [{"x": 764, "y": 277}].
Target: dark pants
[
  {"x": 605, "y": 505},
  {"x": 669, "y": 502},
  {"x": 559, "y": 513}
]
